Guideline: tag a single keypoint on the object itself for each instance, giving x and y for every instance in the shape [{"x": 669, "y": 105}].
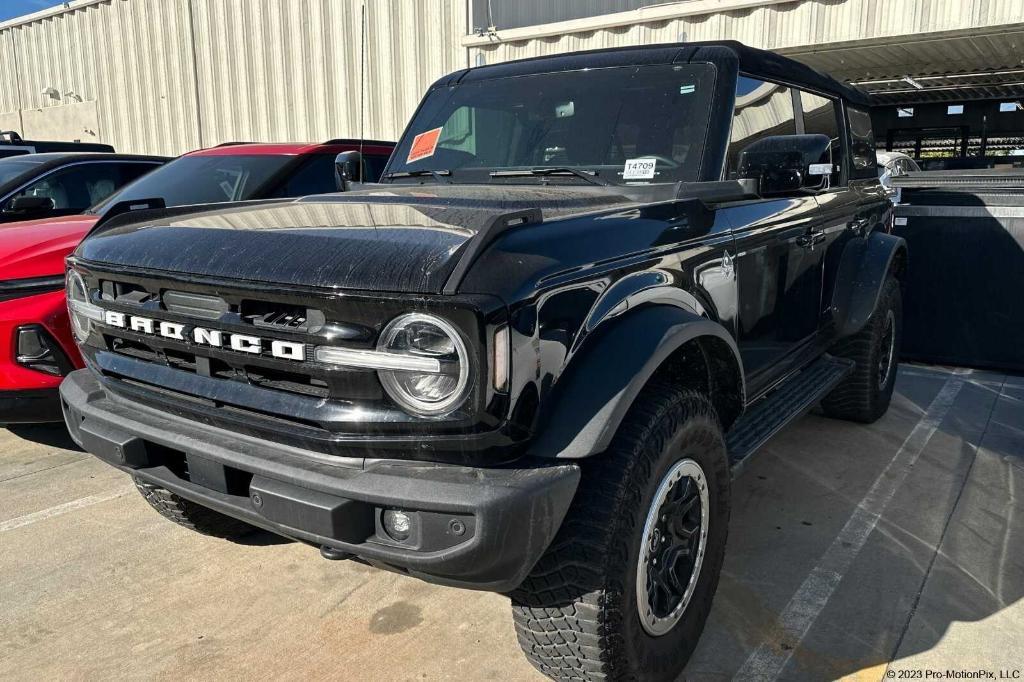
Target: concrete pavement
[{"x": 853, "y": 550}]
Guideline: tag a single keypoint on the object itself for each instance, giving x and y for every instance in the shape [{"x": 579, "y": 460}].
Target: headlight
[
  {"x": 81, "y": 310},
  {"x": 440, "y": 388}
]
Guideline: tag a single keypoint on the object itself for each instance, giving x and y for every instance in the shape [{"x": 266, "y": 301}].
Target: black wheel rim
[
  {"x": 887, "y": 350},
  {"x": 675, "y": 538}
]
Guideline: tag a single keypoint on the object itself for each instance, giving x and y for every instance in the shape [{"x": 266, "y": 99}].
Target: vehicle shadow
[
  {"x": 943, "y": 556},
  {"x": 53, "y": 435}
]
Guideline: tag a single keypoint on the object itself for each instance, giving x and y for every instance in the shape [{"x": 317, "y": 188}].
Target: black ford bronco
[{"x": 530, "y": 361}]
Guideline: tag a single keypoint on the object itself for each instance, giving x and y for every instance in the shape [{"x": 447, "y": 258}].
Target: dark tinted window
[
  {"x": 862, "y": 143},
  {"x": 313, "y": 176},
  {"x": 762, "y": 110},
  {"x": 373, "y": 166},
  {"x": 77, "y": 187},
  {"x": 13, "y": 167},
  {"x": 203, "y": 180},
  {"x": 316, "y": 176},
  {"x": 594, "y": 119},
  {"x": 821, "y": 117}
]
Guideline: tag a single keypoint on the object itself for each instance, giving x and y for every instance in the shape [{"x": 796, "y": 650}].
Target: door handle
[
  {"x": 858, "y": 224},
  {"x": 809, "y": 240}
]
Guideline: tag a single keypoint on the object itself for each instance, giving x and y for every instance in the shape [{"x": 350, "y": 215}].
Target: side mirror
[
  {"x": 347, "y": 169},
  {"x": 784, "y": 164},
  {"x": 29, "y": 205},
  {"x": 780, "y": 181}
]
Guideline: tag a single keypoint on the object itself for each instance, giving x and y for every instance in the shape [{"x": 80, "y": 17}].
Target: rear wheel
[
  {"x": 865, "y": 394},
  {"x": 191, "y": 515},
  {"x": 625, "y": 588}
]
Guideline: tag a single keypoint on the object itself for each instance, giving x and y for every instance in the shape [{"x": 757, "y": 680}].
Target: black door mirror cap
[
  {"x": 29, "y": 204},
  {"x": 347, "y": 169}
]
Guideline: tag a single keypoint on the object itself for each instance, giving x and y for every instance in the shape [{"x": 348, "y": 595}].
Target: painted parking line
[
  {"x": 34, "y": 517},
  {"x": 796, "y": 619}
]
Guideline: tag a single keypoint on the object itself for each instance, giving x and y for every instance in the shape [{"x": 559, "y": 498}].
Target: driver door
[{"x": 777, "y": 265}]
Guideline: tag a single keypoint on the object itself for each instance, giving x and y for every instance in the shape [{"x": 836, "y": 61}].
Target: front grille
[
  {"x": 187, "y": 373},
  {"x": 296, "y": 382}
]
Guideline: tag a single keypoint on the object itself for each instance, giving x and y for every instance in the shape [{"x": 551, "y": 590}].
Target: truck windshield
[
  {"x": 635, "y": 124},
  {"x": 202, "y": 180}
]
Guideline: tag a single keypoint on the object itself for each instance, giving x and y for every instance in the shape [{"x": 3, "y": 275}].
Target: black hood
[{"x": 400, "y": 238}]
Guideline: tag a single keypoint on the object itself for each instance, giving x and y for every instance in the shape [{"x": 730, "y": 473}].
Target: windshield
[
  {"x": 12, "y": 168},
  {"x": 618, "y": 125},
  {"x": 201, "y": 180}
]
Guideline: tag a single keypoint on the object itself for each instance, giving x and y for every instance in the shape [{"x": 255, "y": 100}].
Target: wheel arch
[
  {"x": 604, "y": 379},
  {"x": 860, "y": 280}
]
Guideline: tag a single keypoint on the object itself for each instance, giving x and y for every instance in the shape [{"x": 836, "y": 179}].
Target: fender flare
[
  {"x": 591, "y": 397},
  {"x": 862, "y": 271}
]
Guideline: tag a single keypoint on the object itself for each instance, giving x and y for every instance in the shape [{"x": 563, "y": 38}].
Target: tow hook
[{"x": 332, "y": 554}]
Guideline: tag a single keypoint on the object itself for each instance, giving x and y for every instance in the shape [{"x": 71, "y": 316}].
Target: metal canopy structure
[{"x": 928, "y": 68}]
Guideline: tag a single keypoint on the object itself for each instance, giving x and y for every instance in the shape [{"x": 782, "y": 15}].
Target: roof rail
[
  {"x": 232, "y": 144},
  {"x": 355, "y": 140},
  {"x": 9, "y": 136}
]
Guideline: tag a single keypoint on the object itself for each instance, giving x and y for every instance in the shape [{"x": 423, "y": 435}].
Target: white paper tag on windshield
[{"x": 639, "y": 169}]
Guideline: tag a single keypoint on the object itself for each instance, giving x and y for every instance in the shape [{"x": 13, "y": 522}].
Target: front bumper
[
  {"x": 481, "y": 528},
  {"x": 34, "y": 406},
  {"x": 48, "y": 312}
]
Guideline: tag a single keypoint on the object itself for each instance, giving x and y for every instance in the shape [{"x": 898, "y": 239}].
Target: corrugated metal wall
[
  {"x": 518, "y": 13},
  {"x": 780, "y": 27},
  {"x": 266, "y": 70}
]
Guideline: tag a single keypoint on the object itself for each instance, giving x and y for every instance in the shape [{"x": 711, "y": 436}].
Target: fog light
[
  {"x": 397, "y": 524},
  {"x": 36, "y": 352}
]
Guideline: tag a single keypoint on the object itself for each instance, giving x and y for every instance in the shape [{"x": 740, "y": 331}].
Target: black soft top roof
[{"x": 751, "y": 60}]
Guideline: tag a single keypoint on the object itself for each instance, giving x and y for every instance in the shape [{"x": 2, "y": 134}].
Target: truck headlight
[
  {"x": 441, "y": 384},
  {"x": 82, "y": 312}
]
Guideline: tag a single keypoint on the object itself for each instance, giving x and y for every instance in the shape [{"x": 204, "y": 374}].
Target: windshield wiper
[
  {"x": 440, "y": 176},
  {"x": 588, "y": 175}
]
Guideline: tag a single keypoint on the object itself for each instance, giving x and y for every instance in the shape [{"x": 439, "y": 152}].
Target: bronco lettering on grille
[{"x": 215, "y": 338}]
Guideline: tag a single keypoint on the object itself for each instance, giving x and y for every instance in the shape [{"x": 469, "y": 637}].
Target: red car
[{"x": 36, "y": 347}]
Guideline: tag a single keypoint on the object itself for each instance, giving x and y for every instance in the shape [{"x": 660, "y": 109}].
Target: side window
[
  {"x": 821, "y": 117},
  {"x": 862, "y": 143},
  {"x": 314, "y": 176},
  {"x": 78, "y": 187},
  {"x": 373, "y": 166},
  {"x": 763, "y": 110}
]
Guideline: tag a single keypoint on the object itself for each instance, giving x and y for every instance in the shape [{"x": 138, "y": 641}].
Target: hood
[
  {"x": 390, "y": 238},
  {"x": 37, "y": 248}
]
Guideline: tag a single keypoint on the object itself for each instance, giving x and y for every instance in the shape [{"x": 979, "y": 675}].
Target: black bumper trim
[
  {"x": 481, "y": 528},
  {"x": 35, "y": 406}
]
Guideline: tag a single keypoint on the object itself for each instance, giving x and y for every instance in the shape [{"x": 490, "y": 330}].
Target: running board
[{"x": 786, "y": 402}]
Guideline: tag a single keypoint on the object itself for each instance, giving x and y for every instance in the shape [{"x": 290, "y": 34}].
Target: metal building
[{"x": 165, "y": 76}]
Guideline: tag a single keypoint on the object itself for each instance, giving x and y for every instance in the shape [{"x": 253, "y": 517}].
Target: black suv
[
  {"x": 589, "y": 288},
  {"x": 12, "y": 144}
]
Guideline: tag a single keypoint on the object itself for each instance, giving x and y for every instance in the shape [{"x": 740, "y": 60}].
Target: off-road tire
[
  {"x": 861, "y": 397},
  {"x": 576, "y": 614},
  {"x": 191, "y": 515}
]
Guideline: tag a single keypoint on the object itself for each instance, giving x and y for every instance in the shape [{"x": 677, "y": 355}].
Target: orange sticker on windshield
[{"x": 423, "y": 145}]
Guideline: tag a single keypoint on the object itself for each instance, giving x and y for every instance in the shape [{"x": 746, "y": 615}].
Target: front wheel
[
  {"x": 191, "y": 515},
  {"x": 625, "y": 588}
]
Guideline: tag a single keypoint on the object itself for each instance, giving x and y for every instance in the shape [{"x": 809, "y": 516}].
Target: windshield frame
[{"x": 441, "y": 102}]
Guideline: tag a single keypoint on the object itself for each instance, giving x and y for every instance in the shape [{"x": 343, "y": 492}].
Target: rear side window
[
  {"x": 763, "y": 110},
  {"x": 821, "y": 117},
  {"x": 862, "y": 143}
]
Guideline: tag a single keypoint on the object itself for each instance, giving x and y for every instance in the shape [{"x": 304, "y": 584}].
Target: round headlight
[
  {"x": 78, "y": 295},
  {"x": 425, "y": 336}
]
